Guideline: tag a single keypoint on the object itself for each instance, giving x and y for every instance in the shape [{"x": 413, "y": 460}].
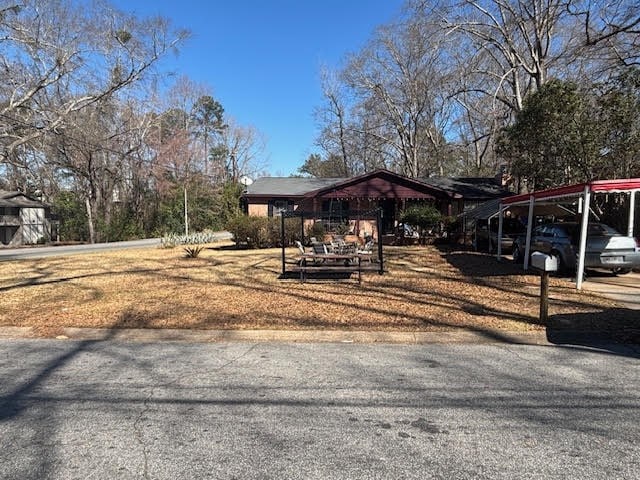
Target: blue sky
[{"x": 262, "y": 59}]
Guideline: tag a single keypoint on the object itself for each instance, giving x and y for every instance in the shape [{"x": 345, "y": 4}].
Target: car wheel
[
  {"x": 517, "y": 254},
  {"x": 621, "y": 271}
]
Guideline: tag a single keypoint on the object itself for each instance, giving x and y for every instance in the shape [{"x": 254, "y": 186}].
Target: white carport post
[
  {"x": 583, "y": 235},
  {"x": 632, "y": 209},
  {"x": 527, "y": 250},
  {"x": 500, "y": 222}
]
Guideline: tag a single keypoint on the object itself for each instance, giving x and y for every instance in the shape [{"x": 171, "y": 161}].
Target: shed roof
[
  {"x": 18, "y": 199},
  {"x": 491, "y": 208}
]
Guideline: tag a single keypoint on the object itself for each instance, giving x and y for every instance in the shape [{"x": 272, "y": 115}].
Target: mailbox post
[{"x": 546, "y": 264}]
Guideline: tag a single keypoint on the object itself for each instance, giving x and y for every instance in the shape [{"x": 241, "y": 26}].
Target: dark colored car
[
  {"x": 487, "y": 234},
  {"x": 606, "y": 248}
]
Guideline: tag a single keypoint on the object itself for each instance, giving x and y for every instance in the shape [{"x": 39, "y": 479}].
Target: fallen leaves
[{"x": 424, "y": 289}]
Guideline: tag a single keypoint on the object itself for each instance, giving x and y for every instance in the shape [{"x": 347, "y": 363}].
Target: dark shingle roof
[
  {"x": 288, "y": 186},
  {"x": 484, "y": 211},
  {"x": 18, "y": 199},
  {"x": 471, "y": 188}
]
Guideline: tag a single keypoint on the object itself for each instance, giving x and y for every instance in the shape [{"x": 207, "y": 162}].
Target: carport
[
  {"x": 583, "y": 192},
  {"x": 490, "y": 210}
]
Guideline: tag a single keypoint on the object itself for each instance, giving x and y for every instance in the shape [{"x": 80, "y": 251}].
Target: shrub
[
  {"x": 248, "y": 230},
  {"x": 343, "y": 229},
  {"x": 424, "y": 216},
  {"x": 292, "y": 231},
  {"x": 192, "y": 251},
  {"x": 316, "y": 230},
  {"x": 263, "y": 232}
]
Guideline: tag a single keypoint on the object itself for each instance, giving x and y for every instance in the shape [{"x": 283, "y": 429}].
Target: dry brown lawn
[{"x": 425, "y": 289}]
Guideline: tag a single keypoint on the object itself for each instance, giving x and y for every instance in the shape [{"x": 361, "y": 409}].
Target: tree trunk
[{"x": 92, "y": 231}]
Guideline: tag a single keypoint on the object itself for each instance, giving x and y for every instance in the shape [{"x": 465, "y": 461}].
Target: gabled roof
[
  {"x": 390, "y": 184},
  {"x": 381, "y": 183},
  {"x": 18, "y": 199},
  {"x": 287, "y": 186}
]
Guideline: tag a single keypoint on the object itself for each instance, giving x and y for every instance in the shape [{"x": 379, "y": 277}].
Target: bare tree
[
  {"x": 334, "y": 116},
  {"x": 507, "y": 49},
  {"x": 608, "y": 32},
  {"x": 244, "y": 146},
  {"x": 400, "y": 80},
  {"x": 57, "y": 59}
]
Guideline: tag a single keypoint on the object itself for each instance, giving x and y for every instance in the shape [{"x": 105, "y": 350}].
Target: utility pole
[{"x": 186, "y": 215}]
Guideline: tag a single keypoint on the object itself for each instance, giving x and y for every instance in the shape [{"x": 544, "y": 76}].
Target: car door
[
  {"x": 562, "y": 244},
  {"x": 541, "y": 240}
]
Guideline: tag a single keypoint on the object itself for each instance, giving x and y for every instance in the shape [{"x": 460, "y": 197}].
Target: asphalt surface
[
  {"x": 234, "y": 410},
  {"x": 48, "y": 251}
]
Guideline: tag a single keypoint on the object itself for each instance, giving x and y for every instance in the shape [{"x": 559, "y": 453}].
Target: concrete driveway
[
  {"x": 624, "y": 289},
  {"x": 109, "y": 409}
]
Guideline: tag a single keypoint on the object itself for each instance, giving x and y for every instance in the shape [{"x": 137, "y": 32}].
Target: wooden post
[
  {"x": 544, "y": 297},
  {"x": 282, "y": 241},
  {"x": 379, "y": 214}
]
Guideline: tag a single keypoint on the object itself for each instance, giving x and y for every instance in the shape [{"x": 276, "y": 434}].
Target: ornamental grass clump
[
  {"x": 173, "y": 239},
  {"x": 193, "y": 251}
]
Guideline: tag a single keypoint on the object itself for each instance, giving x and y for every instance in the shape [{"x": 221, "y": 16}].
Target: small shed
[{"x": 23, "y": 219}]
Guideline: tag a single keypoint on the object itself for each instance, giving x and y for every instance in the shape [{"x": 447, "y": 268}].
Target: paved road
[
  {"x": 108, "y": 409},
  {"x": 41, "y": 252}
]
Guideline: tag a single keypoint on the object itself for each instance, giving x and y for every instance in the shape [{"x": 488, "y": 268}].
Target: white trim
[
  {"x": 583, "y": 237},
  {"x": 500, "y": 223},
  {"x": 527, "y": 250},
  {"x": 632, "y": 210}
]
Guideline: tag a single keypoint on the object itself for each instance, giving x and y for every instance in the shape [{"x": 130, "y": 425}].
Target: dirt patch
[{"x": 424, "y": 289}]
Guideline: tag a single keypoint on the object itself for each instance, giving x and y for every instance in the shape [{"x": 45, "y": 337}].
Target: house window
[
  {"x": 277, "y": 207},
  {"x": 334, "y": 214},
  {"x": 12, "y": 211}
]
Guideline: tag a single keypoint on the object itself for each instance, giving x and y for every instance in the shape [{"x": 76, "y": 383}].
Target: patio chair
[
  {"x": 335, "y": 247},
  {"x": 300, "y": 247},
  {"x": 367, "y": 249},
  {"x": 319, "y": 248}
]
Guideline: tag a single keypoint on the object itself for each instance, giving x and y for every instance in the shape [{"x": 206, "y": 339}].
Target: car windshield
[{"x": 593, "y": 230}]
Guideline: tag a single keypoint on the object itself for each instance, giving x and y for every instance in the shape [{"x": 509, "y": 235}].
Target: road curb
[{"x": 294, "y": 336}]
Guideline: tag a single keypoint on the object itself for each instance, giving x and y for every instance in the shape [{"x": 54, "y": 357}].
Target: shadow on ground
[
  {"x": 608, "y": 327},
  {"x": 594, "y": 329},
  {"x": 318, "y": 276},
  {"x": 476, "y": 264}
]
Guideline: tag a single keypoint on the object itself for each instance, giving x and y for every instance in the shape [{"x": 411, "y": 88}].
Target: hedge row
[{"x": 263, "y": 232}]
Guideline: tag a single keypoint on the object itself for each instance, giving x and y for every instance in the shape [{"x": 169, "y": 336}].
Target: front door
[{"x": 388, "y": 215}]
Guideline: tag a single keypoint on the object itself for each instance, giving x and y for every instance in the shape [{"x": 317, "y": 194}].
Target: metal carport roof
[{"x": 582, "y": 190}]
